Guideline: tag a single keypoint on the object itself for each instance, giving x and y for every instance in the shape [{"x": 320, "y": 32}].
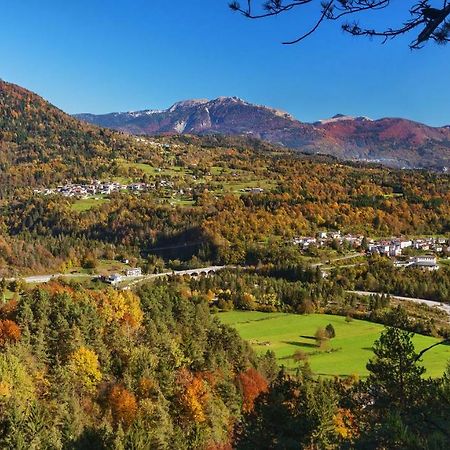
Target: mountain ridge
[
  {"x": 395, "y": 142},
  {"x": 32, "y": 121}
]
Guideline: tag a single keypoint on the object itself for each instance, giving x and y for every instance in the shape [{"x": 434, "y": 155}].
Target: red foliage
[{"x": 252, "y": 384}]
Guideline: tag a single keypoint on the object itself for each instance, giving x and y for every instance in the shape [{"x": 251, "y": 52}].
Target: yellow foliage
[
  {"x": 147, "y": 387},
  {"x": 122, "y": 307},
  {"x": 5, "y": 389},
  {"x": 15, "y": 381},
  {"x": 42, "y": 384},
  {"x": 210, "y": 296},
  {"x": 84, "y": 365}
]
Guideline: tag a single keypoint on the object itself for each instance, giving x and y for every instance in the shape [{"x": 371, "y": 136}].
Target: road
[
  {"x": 442, "y": 306},
  {"x": 341, "y": 258},
  {"x": 38, "y": 279}
]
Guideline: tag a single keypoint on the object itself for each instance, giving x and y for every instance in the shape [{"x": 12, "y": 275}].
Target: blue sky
[{"x": 120, "y": 55}]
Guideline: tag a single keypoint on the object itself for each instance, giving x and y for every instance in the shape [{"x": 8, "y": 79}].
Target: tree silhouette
[{"x": 427, "y": 22}]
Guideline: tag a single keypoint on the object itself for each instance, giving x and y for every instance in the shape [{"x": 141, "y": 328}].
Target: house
[
  {"x": 405, "y": 244},
  {"x": 428, "y": 262},
  {"x": 402, "y": 264},
  {"x": 395, "y": 250},
  {"x": 136, "y": 272},
  {"x": 354, "y": 241},
  {"x": 334, "y": 234},
  {"x": 304, "y": 242},
  {"x": 114, "y": 279},
  {"x": 384, "y": 248}
]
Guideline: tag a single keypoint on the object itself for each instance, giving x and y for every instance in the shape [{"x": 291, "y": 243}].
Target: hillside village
[
  {"x": 98, "y": 187},
  {"x": 105, "y": 188},
  {"x": 397, "y": 248}
]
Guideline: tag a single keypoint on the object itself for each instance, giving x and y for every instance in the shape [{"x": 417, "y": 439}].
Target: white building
[
  {"x": 114, "y": 279},
  {"x": 406, "y": 244},
  {"x": 426, "y": 262},
  {"x": 136, "y": 272}
]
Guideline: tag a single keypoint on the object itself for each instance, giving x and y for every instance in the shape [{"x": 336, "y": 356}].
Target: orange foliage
[
  {"x": 345, "y": 424},
  {"x": 146, "y": 388},
  {"x": 194, "y": 396},
  {"x": 252, "y": 384},
  {"x": 54, "y": 287},
  {"x": 219, "y": 446},
  {"x": 9, "y": 332},
  {"x": 194, "y": 399},
  {"x": 8, "y": 309},
  {"x": 123, "y": 405}
]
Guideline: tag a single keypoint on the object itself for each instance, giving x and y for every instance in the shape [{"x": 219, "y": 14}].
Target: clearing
[{"x": 347, "y": 353}]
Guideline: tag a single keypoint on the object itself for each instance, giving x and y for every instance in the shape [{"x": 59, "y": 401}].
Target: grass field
[
  {"x": 8, "y": 295},
  {"x": 155, "y": 171},
  {"x": 85, "y": 204},
  {"x": 349, "y": 350}
]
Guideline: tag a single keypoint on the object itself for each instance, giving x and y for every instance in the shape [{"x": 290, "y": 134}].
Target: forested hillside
[
  {"x": 224, "y": 200},
  {"x": 83, "y": 366},
  {"x": 86, "y": 369},
  {"x": 40, "y": 144}
]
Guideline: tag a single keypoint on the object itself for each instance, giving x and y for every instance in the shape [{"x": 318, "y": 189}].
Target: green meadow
[
  {"x": 85, "y": 204},
  {"x": 346, "y": 354}
]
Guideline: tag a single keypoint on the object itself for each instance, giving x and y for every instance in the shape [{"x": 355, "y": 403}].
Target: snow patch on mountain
[
  {"x": 180, "y": 126},
  {"x": 147, "y": 112},
  {"x": 343, "y": 117},
  {"x": 187, "y": 104}
]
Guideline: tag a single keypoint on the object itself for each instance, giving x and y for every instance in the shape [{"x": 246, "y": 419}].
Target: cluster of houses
[
  {"x": 253, "y": 190},
  {"x": 117, "y": 278},
  {"x": 392, "y": 247},
  {"x": 96, "y": 187},
  {"x": 325, "y": 238}
]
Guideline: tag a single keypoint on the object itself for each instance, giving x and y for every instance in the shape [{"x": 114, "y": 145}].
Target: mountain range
[{"x": 394, "y": 142}]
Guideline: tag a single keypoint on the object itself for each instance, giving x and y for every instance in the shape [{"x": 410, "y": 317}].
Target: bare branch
[
  {"x": 314, "y": 28},
  {"x": 434, "y": 21}
]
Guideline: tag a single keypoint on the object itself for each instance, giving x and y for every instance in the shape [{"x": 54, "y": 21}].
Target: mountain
[
  {"x": 390, "y": 141},
  {"x": 224, "y": 115},
  {"x": 40, "y": 144}
]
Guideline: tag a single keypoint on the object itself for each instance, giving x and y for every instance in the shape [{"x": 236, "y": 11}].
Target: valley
[
  {"x": 244, "y": 269},
  {"x": 161, "y": 282}
]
